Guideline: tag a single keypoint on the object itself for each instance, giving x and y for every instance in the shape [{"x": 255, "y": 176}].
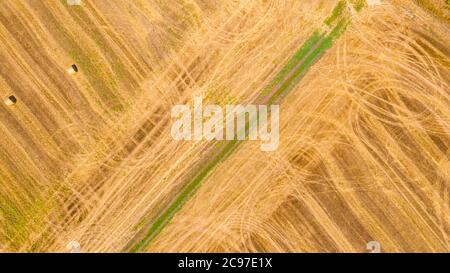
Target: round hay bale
[
  {"x": 72, "y": 69},
  {"x": 11, "y": 100}
]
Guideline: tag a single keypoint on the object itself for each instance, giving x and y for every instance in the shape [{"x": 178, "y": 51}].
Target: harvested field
[{"x": 364, "y": 153}]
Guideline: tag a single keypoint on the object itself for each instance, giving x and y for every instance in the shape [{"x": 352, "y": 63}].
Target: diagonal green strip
[
  {"x": 298, "y": 56},
  {"x": 303, "y": 59},
  {"x": 162, "y": 220},
  {"x": 337, "y": 11},
  {"x": 315, "y": 55}
]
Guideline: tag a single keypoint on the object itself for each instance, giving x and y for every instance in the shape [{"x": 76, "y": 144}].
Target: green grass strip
[
  {"x": 298, "y": 56},
  {"x": 184, "y": 196},
  {"x": 325, "y": 44},
  {"x": 336, "y": 13},
  {"x": 310, "y": 52}
]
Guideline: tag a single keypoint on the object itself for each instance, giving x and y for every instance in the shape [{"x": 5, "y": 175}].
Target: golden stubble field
[{"x": 364, "y": 152}]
